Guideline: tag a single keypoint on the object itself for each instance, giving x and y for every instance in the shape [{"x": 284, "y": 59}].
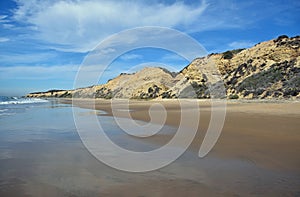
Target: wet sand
[
  {"x": 266, "y": 134},
  {"x": 260, "y": 139},
  {"x": 256, "y": 155}
]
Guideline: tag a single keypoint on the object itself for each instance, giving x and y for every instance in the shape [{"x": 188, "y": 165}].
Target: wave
[
  {"x": 7, "y": 114},
  {"x": 23, "y": 101}
]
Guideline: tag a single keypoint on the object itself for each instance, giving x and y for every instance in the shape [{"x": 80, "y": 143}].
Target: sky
[{"x": 43, "y": 43}]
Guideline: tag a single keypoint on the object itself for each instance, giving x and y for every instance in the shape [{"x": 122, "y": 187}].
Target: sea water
[{"x": 12, "y": 105}]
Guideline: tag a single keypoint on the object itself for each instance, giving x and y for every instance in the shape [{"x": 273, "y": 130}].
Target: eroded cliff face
[{"x": 270, "y": 69}]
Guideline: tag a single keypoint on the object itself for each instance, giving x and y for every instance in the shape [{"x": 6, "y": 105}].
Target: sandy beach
[
  {"x": 263, "y": 134},
  {"x": 255, "y": 155}
]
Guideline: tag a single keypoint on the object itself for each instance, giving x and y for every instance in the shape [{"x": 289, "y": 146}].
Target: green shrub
[
  {"x": 281, "y": 37},
  {"x": 227, "y": 55},
  {"x": 233, "y": 96}
]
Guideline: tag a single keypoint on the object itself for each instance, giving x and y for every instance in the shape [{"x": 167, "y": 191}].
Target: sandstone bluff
[{"x": 267, "y": 70}]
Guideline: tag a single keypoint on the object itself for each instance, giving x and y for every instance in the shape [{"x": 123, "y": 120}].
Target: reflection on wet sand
[{"x": 42, "y": 155}]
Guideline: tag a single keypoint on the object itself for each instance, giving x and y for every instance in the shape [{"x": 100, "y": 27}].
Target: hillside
[{"x": 267, "y": 70}]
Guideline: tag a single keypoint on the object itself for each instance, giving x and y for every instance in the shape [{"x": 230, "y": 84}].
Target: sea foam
[{"x": 23, "y": 101}]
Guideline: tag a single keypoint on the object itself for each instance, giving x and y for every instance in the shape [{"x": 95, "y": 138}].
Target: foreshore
[
  {"x": 265, "y": 133},
  {"x": 255, "y": 155}
]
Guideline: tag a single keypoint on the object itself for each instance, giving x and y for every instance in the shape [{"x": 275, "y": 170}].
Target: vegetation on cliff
[{"x": 270, "y": 69}]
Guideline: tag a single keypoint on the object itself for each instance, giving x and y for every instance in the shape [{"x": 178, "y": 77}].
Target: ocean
[{"x": 13, "y": 105}]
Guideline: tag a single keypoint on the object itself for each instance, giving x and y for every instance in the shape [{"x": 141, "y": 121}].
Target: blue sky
[{"x": 43, "y": 42}]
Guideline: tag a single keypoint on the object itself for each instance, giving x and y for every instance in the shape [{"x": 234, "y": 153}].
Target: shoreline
[{"x": 264, "y": 133}]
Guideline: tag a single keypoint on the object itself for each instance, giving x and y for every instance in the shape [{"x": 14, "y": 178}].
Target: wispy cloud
[
  {"x": 38, "y": 72},
  {"x": 4, "y": 39},
  {"x": 241, "y": 44},
  {"x": 81, "y": 25},
  {"x": 78, "y": 26},
  {"x": 131, "y": 57},
  {"x": 29, "y": 58},
  {"x": 5, "y": 22},
  {"x": 3, "y": 18}
]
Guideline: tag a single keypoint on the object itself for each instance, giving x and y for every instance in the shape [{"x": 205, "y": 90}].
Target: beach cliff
[{"x": 267, "y": 70}]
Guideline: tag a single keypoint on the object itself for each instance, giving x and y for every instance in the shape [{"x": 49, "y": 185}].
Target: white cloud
[
  {"x": 26, "y": 58},
  {"x": 3, "y": 39},
  {"x": 81, "y": 25},
  {"x": 107, "y": 51},
  {"x": 131, "y": 57},
  {"x": 241, "y": 44},
  {"x": 3, "y": 17},
  {"x": 8, "y": 26},
  {"x": 4, "y": 22},
  {"x": 152, "y": 37},
  {"x": 38, "y": 72}
]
